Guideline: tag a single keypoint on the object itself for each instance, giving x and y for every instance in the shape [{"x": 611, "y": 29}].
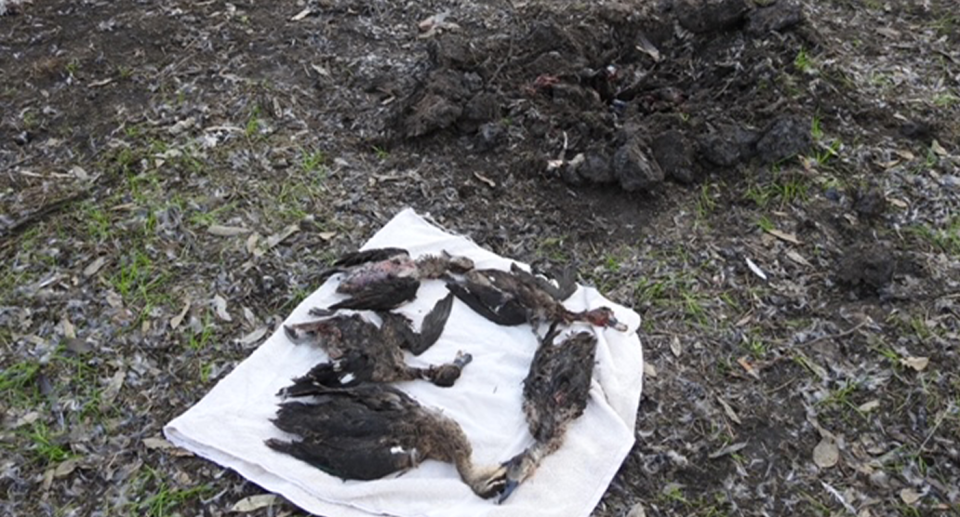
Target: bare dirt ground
[{"x": 773, "y": 185}]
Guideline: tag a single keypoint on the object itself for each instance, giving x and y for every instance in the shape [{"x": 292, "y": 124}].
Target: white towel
[{"x": 230, "y": 424}]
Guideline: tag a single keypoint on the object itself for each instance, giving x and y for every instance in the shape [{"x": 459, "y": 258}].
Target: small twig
[
  {"x": 940, "y": 419},
  {"x": 21, "y": 161},
  {"x": 836, "y": 336}
]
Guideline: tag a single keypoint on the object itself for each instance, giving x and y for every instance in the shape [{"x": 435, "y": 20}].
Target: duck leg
[
  {"x": 381, "y": 296},
  {"x": 444, "y": 375},
  {"x": 523, "y": 465}
]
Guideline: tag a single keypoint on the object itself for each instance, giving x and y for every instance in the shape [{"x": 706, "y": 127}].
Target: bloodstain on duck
[
  {"x": 555, "y": 393},
  {"x": 385, "y": 278}
]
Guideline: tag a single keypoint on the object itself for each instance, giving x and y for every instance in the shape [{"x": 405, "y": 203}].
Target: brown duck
[
  {"x": 515, "y": 297},
  {"x": 372, "y": 430},
  {"x": 385, "y": 278},
  {"x": 362, "y": 352},
  {"x": 555, "y": 393}
]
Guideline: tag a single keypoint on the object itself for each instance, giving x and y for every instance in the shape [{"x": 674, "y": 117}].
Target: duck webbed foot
[
  {"x": 445, "y": 375},
  {"x": 489, "y": 483},
  {"x": 523, "y": 465}
]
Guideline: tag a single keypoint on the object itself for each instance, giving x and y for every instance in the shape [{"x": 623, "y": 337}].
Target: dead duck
[
  {"x": 363, "y": 352},
  {"x": 385, "y": 278},
  {"x": 373, "y": 430},
  {"x": 515, "y": 297},
  {"x": 555, "y": 393}
]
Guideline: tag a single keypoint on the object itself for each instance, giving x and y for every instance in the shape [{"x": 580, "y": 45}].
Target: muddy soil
[{"x": 772, "y": 184}]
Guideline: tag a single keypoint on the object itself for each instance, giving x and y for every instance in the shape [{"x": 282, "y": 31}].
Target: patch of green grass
[
  {"x": 890, "y": 355},
  {"x": 828, "y": 152},
  {"x": 611, "y": 263},
  {"x": 553, "y": 248},
  {"x": 791, "y": 189},
  {"x": 45, "y": 447},
  {"x": 313, "y": 161},
  {"x": 205, "y": 370},
  {"x": 99, "y": 225},
  {"x": 208, "y": 218},
  {"x": 30, "y": 119},
  {"x": 73, "y": 66},
  {"x": 945, "y": 100},
  {"x": 816, "y": 130},
  {"x": 253, "y": 125},
  {"x": 693, "y": 308},
  {"x": 946, "y": 25},
  {"x": 140, "y": 282},
  {"x": 381, "y": 153},
  {"x": 674, "y": 494},
  {"x": 158, "y": 499},
  {"x": 760, "y": 195},
  {"x": 18, "y": 384},
  {"x": 765, "y": 224},
  {"x": 880, "y": 80},
  {"x": 842, "y": 396},
  {"x": 757, "y": 347},
  {"x": 802, "y": 62},
  {"x": 294, "y": 298},
  {"x": 946, "y": 238},
  {"x": 199, "y": 340},
  {"x": 648, "y": 291},
  {"x": 706, "y": 200}
]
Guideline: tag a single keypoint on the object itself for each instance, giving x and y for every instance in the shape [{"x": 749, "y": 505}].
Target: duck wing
[
  {"x": 565, "y": 287},
  {"x": 352, "y": 369},
  {"x": 493, "y": 304},
  {"x": 381, "y": 296},
  {"x": 348, "y": 458},
  {"x": 355, "y": 433},
  {"x": 432, "y": 326},
  {"x": 357, "y": 258}
]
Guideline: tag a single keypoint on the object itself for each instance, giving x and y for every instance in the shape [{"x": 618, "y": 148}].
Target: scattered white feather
[{"x": 756, "y": 269}]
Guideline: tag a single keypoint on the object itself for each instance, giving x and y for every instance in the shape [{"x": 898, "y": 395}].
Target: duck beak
[
  {"x": 616, "y": 324},
  {"x": 508, "y": 489}
]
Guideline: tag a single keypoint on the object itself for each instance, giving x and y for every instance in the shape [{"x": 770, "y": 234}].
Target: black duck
[
  {"x": 516, "y": 297},
  {"x": 385, "y": 278},
  {"x": 362, "y": 352},
  {"x": 555, "y": 393},
  {"x": 372, "y": 430}
]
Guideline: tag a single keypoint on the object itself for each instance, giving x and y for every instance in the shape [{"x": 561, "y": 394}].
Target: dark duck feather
[
  {"x": 372, "y": 430},
  {"x": 362, "y": 352},
  {"x": 555, "y": 393},
  {"x": 516, "y": 297},
  {"x": 385, "y": 278}
]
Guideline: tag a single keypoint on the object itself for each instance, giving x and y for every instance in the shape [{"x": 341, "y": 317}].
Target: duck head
[
  {"x": 456, "y": 264},
  {"x": 603, "y": 317},
  {"x": 432, "y": 266}
]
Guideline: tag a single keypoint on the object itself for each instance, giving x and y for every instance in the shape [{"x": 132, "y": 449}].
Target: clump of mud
[{"x": 626, "y": 95}]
